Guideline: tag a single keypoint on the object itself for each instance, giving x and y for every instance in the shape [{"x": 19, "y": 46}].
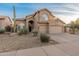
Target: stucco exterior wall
[
  {"x": 5, "y": 21},
  {"x": 20, "y": 22}
]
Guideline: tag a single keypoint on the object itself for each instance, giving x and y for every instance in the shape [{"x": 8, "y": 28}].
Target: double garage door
[
  {"x": 51, "y": 29},
  {"x": 55, "y": 29}
]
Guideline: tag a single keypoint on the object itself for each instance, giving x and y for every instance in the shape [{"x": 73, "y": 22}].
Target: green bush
[
  {"x": 2, "y": 31},
  {"x": 23, "y": 31},
  {"x": 44, "y": 38},
  {"x": 35, "y": 33}
]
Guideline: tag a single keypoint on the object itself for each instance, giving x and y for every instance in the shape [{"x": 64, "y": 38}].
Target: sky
[{"x": 65, "y": 11}]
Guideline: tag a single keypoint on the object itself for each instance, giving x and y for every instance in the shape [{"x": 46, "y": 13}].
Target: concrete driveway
[
  {"x": 65, "y": 38},
  {"x": 68, "y": 46}
]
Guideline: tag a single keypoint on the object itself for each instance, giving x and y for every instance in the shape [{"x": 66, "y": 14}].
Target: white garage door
[{"x": 56, "y": 29}]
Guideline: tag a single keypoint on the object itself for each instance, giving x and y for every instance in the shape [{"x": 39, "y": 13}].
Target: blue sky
[{"x": 65, "y": 11}]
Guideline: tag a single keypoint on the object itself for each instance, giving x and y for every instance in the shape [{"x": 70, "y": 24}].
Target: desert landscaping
[{"x": 12, "y": 42}]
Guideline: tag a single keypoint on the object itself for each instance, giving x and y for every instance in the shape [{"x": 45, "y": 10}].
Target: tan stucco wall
[
  {"x": 20, "y": 22},
  {"x": 6, "y": 21}
]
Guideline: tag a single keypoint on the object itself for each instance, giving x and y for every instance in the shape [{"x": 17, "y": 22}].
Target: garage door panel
[
  {"x": 55, "y": 29},
  {"x": 43, "y": 29}
]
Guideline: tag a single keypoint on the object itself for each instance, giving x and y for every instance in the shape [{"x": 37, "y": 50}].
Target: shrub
[
  {"x": 35, "y": 33},
  {"x": 20, "y": 32},
  {"x": 8, "y": 28},
  {"x": 23, "y": 31},
  {"x": 2, "y": 31},
  {"x": 44, "y": 38}
]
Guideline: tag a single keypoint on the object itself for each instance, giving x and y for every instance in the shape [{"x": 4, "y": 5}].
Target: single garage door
[
  {"x": 55, "y": 29},
  {"x": 43, "y": 29}
]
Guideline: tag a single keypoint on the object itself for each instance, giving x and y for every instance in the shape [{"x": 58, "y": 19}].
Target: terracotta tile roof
[
  {"x": 2, "y": 18},
  {"x": 20, "y": 19}
]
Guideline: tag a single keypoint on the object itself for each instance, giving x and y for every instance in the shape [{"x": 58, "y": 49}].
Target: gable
[
  {"x": 43, "y": 11},
  {"x": 44, "y": 15}
]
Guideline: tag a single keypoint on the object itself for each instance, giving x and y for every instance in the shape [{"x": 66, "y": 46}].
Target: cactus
[{"x": 14, "y": 18}]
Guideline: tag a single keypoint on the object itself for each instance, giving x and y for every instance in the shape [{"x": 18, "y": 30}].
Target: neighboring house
[
  {"x": 5, "y": 21},
  {"x": 20, "y": 23},
  {"x": 43, "y": 21}
]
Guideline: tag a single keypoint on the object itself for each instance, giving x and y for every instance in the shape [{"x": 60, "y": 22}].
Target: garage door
[
  {"x": 43, "y": 29},
  {"x": 55, "y": 29}
]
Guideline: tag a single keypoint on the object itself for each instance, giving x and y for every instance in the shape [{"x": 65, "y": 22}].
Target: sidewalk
[{"x": 67, "y": 49}]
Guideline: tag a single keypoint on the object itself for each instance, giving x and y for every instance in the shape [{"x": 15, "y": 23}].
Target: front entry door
[{"x": 31, "y": 25}]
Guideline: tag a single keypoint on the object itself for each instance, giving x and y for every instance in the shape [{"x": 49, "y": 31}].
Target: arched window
[{"x": 44, "y": 17}]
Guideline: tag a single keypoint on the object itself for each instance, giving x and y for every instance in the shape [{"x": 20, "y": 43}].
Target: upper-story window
[{"x": 44, "y": 17}]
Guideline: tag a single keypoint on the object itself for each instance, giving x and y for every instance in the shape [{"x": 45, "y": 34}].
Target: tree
[
  {"x": 77, "y": 23},
  {"x": 72, "y": 27}
]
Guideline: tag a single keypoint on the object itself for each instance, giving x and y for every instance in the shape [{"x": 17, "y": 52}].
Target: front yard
[
  {"x": 10, "y": 42},
  {"x": 68, "y": 45}
]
